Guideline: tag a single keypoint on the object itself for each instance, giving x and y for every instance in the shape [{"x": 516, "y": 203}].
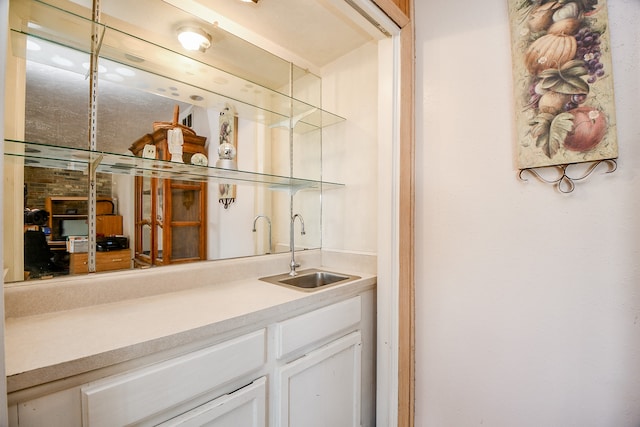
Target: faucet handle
[{"x": 293, "y": 265}]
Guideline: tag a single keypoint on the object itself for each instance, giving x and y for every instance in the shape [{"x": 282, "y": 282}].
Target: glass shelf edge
[{"x": 50, "y": 156}]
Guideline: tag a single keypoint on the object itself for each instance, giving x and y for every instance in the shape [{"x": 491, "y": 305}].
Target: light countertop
[{"x": 51, "y": 346}]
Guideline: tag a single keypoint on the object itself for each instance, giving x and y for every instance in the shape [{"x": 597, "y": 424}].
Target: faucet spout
[
  {"x": 293, "y": 265},
  {"x": 268, "y": 223}
]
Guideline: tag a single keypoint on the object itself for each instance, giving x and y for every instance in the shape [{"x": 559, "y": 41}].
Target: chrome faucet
[
  {"x": 268, "y": 222},
  {"x": 293, "y": 264}
]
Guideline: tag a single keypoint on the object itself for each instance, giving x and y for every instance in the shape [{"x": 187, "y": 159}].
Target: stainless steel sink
[{"x": 311, "y": 279}]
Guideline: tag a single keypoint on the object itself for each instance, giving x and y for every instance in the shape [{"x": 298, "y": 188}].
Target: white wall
[
  {"x": 229, "y": 231},
  {"x": 349, "y": 150},
  {"x": 527, "y": 300}
]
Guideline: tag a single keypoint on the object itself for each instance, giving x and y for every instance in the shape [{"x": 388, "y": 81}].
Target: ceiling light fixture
[
  {"x": 250, "y": 1},
  {"x": 193, "y": 38}
]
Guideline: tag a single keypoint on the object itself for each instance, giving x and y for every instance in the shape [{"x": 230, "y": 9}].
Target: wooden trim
[
  {"x": 397, "y": 10},
  {"x": 406, "y": 291}
]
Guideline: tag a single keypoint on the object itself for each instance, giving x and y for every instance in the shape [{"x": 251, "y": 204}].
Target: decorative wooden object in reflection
[{"x": 170, "y": 223}]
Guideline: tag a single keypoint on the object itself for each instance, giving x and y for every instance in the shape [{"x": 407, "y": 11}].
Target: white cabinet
[
  {"x": 245, "y": 407},
  {"x": 322, "y": 388},
  {"x": 313, "y": 369}
]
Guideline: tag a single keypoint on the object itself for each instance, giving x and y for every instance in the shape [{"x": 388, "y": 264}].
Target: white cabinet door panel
[
  {"x": 322, "y": 388},
  {"x": 242, "y": 408}
]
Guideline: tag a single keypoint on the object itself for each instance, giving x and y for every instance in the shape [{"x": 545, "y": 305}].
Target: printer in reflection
[{"x": 112, "y": 243}]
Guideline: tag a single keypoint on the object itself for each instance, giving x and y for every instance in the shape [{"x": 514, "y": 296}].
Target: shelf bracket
[
  {"x": 97, "y": 46},
  {"x": 96, "y": 41},
  {"x": 293, "y": 121},
  {"x": 93, "y": 165}
]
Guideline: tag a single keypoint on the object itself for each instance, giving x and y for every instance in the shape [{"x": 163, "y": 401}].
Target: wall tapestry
[{"x": 565, "y": 113}]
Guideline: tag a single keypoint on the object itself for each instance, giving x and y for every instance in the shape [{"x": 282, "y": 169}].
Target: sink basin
[
  {"x": 315, "y": 280},
  {"x": 310, "y": 279}
]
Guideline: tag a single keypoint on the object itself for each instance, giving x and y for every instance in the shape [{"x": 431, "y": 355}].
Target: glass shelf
[
  {"x": 49, "y": 156},
  {"x": 194, "y": 80}
]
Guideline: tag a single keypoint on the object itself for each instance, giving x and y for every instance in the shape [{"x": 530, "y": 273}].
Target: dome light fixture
[{"x": 193, "y": 38}]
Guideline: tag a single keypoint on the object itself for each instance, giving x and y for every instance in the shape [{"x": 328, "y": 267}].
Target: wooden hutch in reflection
[{"x": 171, "y": 215}]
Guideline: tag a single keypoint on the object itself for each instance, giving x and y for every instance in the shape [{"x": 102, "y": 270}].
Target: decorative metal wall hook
[{"x": 565, "y": 183}]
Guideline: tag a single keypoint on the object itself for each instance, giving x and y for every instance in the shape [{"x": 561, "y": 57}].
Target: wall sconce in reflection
[{"x": 194, "y": 38}]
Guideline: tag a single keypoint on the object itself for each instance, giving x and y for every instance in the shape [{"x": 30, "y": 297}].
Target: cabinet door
[
  {"x": 322, "y": 388},
  {"x": 62, "y": 408},
  {"x": 109, "y": 225},
  {"x": 185, "y": 221},
  {"x": 245, "y": 407},
  {"x": 144, "y": 240}
]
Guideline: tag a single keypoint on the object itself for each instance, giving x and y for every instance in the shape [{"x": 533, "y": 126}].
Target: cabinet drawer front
[
  {"x": 105, "y": 261},
  {"x": 304, "y": 330},
  {"x": 245, "y": 407},
  {"x": 114, "y": 260},
  {"x": 134, "y": 396}
]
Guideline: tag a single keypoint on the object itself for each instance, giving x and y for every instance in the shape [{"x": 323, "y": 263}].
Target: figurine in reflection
[
  {"x": 225, "y": 130},
  {"x": 175, "y": 141},
  {"x": 226, "y": 147}
]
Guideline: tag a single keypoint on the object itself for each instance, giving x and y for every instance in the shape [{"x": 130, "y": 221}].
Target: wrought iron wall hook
[{"x": 565, "y": 183}]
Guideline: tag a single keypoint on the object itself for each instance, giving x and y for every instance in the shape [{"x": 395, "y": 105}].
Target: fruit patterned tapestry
[{"x": 563, "y": 82}]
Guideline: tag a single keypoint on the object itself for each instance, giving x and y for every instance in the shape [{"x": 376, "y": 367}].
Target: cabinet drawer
[
  {"x": 137, "y": 395},
  {"x": 245, "y": 407},
  {"x": 304, "y": 330},
  {"x": 105, "y": 261}
]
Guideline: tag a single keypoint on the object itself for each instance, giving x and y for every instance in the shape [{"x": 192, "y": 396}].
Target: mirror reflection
[{"x": 147, "y": 221}]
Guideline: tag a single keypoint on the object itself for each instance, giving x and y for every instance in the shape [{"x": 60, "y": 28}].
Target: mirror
[{"x": 130, "y": 100}]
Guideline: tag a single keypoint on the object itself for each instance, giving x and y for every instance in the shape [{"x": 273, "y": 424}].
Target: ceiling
[
  {"x": 317, "y": 30},
  {"x": 251, "y": 41}
]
